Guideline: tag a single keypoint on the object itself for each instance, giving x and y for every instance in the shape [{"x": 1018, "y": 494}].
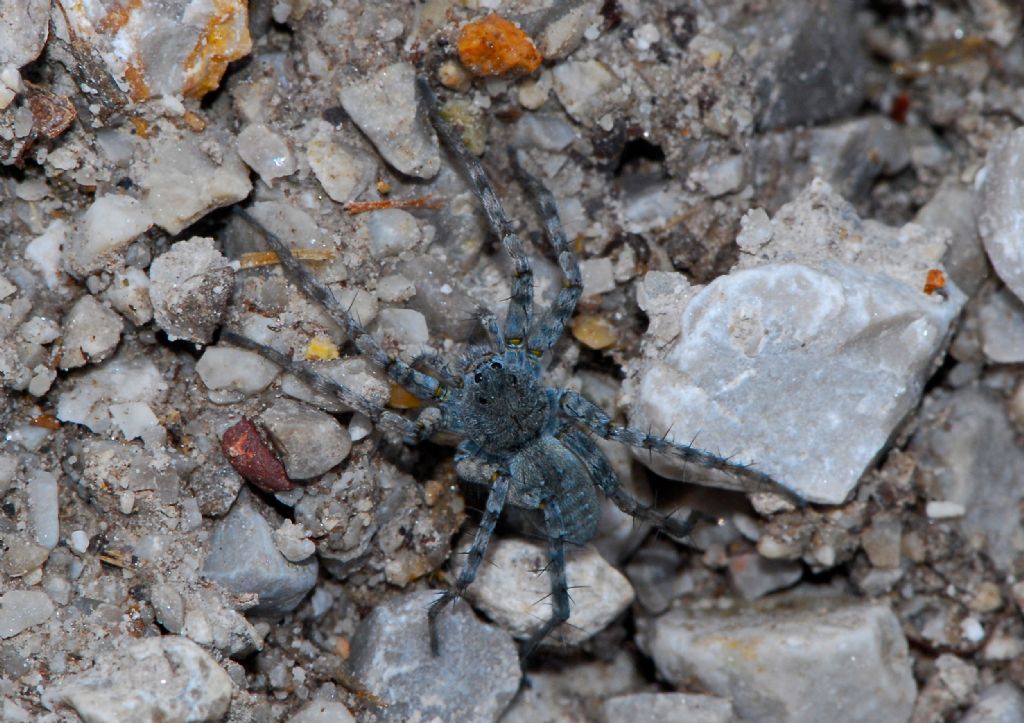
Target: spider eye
[
  {"x": 495, "y": 365},
  {"x": 478, "y": 377},
  {"x": 481, "y": 400}
]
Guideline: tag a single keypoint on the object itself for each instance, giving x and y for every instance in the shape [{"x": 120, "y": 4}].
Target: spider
[{"x": 531, "y": 445}]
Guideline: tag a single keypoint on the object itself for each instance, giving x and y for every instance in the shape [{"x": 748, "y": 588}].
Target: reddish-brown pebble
[{"x": 253, "y": 458}]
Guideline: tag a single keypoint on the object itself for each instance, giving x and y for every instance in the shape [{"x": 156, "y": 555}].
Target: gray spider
[{"x": 529, "y": 444}]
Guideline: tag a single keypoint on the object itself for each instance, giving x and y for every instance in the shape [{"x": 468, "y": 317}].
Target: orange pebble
[
  {"x": 934, "y": 281},
  {"x": 494, "y": 46}
]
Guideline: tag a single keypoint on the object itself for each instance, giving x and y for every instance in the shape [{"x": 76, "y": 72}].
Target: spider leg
[
  {"x": 410, "y": 431},
  {"x": 495, "y": 503},
  {"x": 587, "y": 413},
  {"x": 520, "y": 307},
  {"x": 604, "y": 476},
  {"x": 433, "y": 363},
  {"x": 556, "y": 570},
  {"x": 549, "y": 329},
  {"x": 418, "y": 383}
]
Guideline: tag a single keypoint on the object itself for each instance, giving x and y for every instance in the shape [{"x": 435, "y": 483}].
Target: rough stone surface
[
  {"x": 182, "y": 182},
  {"x": 91, "y": 332},
  {"x": 1001, "y": 217},
  {"x": 166, "y": 678},
  {"x": 814, "y": 67},
  {"x": 845, "y": 337},
  {"x": 1000, "y": 703},
  {"x": 109, "y": 225},
  {"x": 322, "y": 711},
  {"x": 810, "y": 660},
  {"x": 755, "y": 576},
  {"x": 90, "y": 399},
  {"x": 474, "y": 677},
  {"x": 22, "y": 31},
  {"x": 21, "y": 609},
  {"x": 310, "y": 441},
  {"x": 343, "y": 172},
  {"x": 243, "y": 558},
  {"x": 667, "y": 708},
  {"x": 975, "y": 462},
  {"x": 384, "y": 107},
  {"x": 509, "y": 590},
  {"x": 265, "y": 152},
  {"x": 190, "y": 286},
  {"x": 1001, "y": 328},
  {"x": 226, "y": 369}
]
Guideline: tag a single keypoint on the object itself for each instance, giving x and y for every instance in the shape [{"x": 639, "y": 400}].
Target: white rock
[
  {"x": 6, "y": 288},
  {"x": 135, "y": 420},
  {"x": 509, "y": 590},
  {"x": 91, "y": 332},
  {"x": 190, "y": 286},
  {"x": 588, "y": 89},
  {"x": 322, "y": 711},
  {"x": 999, "y": 703},
  {"x": 265, "y": 152},
  {"x": 39, "y": 330},
  {"x": 563, "y": 34},
  {"x": 392, "y": 231},
  {"x": 598, "y": 276},
  {"x": 23, "y": 31},
  {"x": 343, "y": 172},
  {"x": 1001, "y": 220},
  {"x": 45, "y": 252},
  {"x": 21, "y": 609},
  {"x": 44, "y": 506},
  {"x": 183, "y": 182},
  {"x": 227, "y": 368},
  {"x": 802, "y": 662},
  {"x": 128, "y": 293},
  {"x": 406, "y": 325},
  {"x": 109, "y": 225},
  {"x": 88, "y": 400},
  {"x": 667, "y": 708},
  {"x": 311, "y": 442},
  {"x": 384, "y": 106},
  {"x": 395, "y": 289},
  {"x": 167, "y": 678},
  {"x": 1001, "y": 328},
  {"x": 79, "y": 540},
  {"x": 754, "y": 576},
  {"x": 293, "y": 541},
  {"x": 804, "y": 369},
  {"x": 721, "y": 177}
]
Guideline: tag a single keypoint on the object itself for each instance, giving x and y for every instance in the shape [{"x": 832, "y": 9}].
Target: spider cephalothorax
[{"x": 530, "y": 445}]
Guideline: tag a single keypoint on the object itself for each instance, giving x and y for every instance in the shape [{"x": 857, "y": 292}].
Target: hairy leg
[
  {"x": 604, "y": 476},
  {"x": 546, "y": 332},
  {"x": 418, "y": 383},
  {"x": 588, "y": 414},
  {"x": 556, "y": 570},
  {"x": 520, "y": 307},
  {"x": 495, "y": 504}
]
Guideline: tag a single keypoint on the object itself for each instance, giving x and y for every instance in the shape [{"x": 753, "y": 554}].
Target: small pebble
[
  {"x": 265, "y": 152},
  {"x": 944, "y": 509},
  {"x": 79, "y": 540},
  {"x": 21, "y": 610},
  {"x": 190, "y": 286}
]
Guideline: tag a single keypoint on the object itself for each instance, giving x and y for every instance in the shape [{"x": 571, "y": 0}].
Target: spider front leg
[
  {"x": 495, "y": 504},
  {"x": 411, "y": 432},
  {"x": 546, "y": 333},
  {"x": 602, "y": 473},
  {"x": 591, "y": 416},
  {"x": 417, "y": 383},
  {"x": 520, "y": 306},
  {"x": 555, "y": 528}
]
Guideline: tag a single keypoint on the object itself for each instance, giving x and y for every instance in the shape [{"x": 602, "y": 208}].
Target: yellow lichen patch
[
  {"x": 494, "y": 46},
  {"x": 195, "y": 123},
  {"x": 401, "y": 399},
  {"x": 225, "y": 38},
  {"x": 594, "y": 331},
  {"x": 141, "y": 126},
  {"x": 117, "y": 17},
  {"x": 320, "y": 348}
]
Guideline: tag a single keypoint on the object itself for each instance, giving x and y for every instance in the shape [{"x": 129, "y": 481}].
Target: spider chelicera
[{"x": 529, "y": 444}]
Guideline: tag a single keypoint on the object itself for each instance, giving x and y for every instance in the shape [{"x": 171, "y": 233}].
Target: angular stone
[
  {"x": 806, "y": 358},
  {"x": 190, "y": 286},
  {"x": 1001, "y": 217},
  {"x": 243, "y": 558},
  {"x": 798, "y": 661},
  {"x": 168, "y": 679},
  {"x": 384, "y": 106},
  {"x": 310, "y": 441},
  {"x": 91, "y": 332},
  {"x": 667, "y": 708},
  {"x": 22, "y": 609},
  {"x": 510, "y": 592},
  {"x": 473, "y": 679}
]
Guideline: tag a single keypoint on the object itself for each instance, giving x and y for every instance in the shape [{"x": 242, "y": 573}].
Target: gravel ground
[{"x": 800, "y": 233}]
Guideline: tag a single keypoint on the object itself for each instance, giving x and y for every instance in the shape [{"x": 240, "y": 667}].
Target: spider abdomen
[{"x": 545, "y": 472}]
